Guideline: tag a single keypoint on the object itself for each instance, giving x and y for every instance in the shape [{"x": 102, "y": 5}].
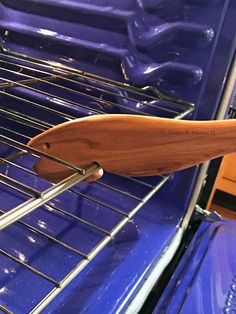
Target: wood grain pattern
[
  {"x": 226, "y": 178},
  {"x": 133, "y": 145},
  {"x": 230, "y": 168}
]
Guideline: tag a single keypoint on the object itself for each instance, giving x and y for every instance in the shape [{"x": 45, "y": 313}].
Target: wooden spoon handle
[{"x": 133, "y": 145}]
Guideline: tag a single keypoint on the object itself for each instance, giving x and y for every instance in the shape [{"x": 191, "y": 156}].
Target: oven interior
[{"x": 62, "y": 60}]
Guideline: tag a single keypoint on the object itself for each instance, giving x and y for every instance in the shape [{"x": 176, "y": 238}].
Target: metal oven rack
[{"x": 22, "y": 77}]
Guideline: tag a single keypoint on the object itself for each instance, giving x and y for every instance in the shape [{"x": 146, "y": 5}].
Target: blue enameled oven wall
[
  {"x": 207, "y": 269},
  {"x": 182, "y": 47}
]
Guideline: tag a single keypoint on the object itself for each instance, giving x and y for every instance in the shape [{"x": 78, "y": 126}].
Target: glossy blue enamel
[
  {"x": 206, "y": 277},
  {"x": 182, "y": 47}
]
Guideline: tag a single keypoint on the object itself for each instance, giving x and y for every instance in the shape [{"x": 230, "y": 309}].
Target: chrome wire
[
  {"x": 70, "y": 90},
  {"x": 34, "y": 270},
  {"x": 5, "y": 310},
  {"x": 65, "y": 77},
  {"x": 55, "y": 66}
]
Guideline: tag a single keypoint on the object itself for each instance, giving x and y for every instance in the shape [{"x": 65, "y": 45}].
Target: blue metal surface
[
  {"x": 185, "y": 49},
  {"x": 205, "y": 280}
]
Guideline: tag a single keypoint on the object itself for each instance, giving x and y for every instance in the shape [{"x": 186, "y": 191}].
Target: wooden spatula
[{"x": 132, "y": 145}]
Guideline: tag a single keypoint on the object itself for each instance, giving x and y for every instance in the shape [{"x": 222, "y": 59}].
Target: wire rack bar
[
  {"x": 24, "y": 148},
  {"x": 5, "y": 310},
  {"x": 83, "y": 221},
  {"x": 25, "y": 119},
  {"x": 100, "y": 202},
  {"x": 66, "y": 77},
  {"x": 21, "y": 186},
  {"x": 16, "y": 133},
  {"x": 36, "y": 230},
  {"x": 31, "y": 204},
  {"x": 56, "y": 66},
  {"x": 38, "y": 106},
  {"x": 9, "y": 162},
  {"x": 32, "y": 269},
  {"x": 52, "y": 95},
  {"x": 70, "y": 90}
]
